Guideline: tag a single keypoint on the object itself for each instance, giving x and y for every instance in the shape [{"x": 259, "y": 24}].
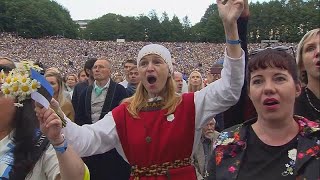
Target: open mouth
[
  {"x": 318, "y": 63},
  {"x": 151, "y": 79},
  {"x": 270, "y": 102}
]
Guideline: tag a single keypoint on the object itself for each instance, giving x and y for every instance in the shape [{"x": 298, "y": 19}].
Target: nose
[
  {"x": 269, "y": 87},
  {"x": 150, "y": 67}
]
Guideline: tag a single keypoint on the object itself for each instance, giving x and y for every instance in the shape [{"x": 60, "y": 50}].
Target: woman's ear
[{"x": 298, "y": 89}]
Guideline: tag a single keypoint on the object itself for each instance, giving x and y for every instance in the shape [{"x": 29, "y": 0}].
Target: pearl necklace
[{"x": 305, "y": 89}]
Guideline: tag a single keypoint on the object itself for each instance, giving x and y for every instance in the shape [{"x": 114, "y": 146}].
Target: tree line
[{"x": 284, "y": 20}]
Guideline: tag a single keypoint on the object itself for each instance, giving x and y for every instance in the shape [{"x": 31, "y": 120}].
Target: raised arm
[
  {"x": 225, "y": 92},
  {"x": 70, "y": 164},
  {"x": 229, "y": 14}
]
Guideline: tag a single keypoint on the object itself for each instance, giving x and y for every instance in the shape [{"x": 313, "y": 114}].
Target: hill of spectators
[{"x": 69, "y": 55}]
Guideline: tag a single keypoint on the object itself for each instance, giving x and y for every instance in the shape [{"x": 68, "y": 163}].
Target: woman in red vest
[{"x": 157, "y": 130}]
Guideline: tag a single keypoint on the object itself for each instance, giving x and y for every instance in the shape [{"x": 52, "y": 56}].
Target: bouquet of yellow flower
[{"x": 18, "y": 83}]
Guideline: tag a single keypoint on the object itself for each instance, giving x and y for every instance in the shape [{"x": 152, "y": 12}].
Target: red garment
[{"x": 170, "y": 141}]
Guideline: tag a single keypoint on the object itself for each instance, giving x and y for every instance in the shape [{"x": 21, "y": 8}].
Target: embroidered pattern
[
  {"x": 230, "y": 144},
  {"x": 292, "y": 154}
]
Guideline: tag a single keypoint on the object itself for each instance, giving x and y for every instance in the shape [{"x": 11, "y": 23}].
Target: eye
[
  {"x": 280, "y": 79},
  {"x": 310, "y": 48},
  {"x": 257, "y": 81},
  {"x": 142, "y": 63}
]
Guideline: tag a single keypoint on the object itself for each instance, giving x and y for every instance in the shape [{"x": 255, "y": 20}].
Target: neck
[
  {"x": 90, "y": 80},
  {"x": 102, "y": 83},
  {"x": 314, "y": 86},
  {"x": 276, "y": 133}
]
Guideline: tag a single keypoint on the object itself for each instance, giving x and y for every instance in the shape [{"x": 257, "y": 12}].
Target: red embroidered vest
[{"x": 156, "y": 138}]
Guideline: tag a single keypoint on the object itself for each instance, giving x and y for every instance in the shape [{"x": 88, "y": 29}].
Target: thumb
[{"x": 54, "y": 104}]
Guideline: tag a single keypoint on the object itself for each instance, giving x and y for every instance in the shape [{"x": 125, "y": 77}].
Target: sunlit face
[
  {"x": 83, "y": 77},
  {"x": 71, "y": 81},
  {"x": 134, "y": 77},
  {"x": 101, "y": 70},
  {"x": 311, "y": 57},
  {"x": 195, "y": 79},
  {"x": 273, "y": 92},
  {"x": 208, "y": 130},
  {"x": 154, "y": 73},
  {"x": 54, "y": 83},
  {"x": 179, "y": 81},
  {"x": 127, "y": 66}
]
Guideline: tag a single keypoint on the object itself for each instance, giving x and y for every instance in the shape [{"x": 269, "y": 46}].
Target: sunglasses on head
[
  {"x": 5, "y": 68},
  {"x": 289, "y": 50}
]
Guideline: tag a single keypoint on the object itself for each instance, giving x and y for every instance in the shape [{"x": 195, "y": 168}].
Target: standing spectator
[
  {"x": 308, "y": 60},
  {"x": 80, "y": 87},
  {"x": 126, "y": 66},
  {"x": 179, "y": 81},
  {"x": 26, "y": 153},
  {"x": 117, "y": 77},
  {"x": 71, "y": 82},
  {"x": 277, "y": 144},
  {"x": 95, "y": 102},
  {"x": 82, "y": 76},
  {"x": 195, "y": 81},
  {"x": 157, "y": 129},
  {"x": 204, "y": 150},
  {"x": 134, "y": 80},
  {"x": 56, "y": 82}
]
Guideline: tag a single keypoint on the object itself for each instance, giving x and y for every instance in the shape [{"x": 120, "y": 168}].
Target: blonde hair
[
  {"x": 302, "y": 72},
  {"x": 61, "y": 99},
  {"x": 140, "y": 98},
  {"x": 190, "y": 89}
]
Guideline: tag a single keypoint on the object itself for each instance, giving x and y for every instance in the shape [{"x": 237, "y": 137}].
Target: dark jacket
[
  {"x": 304, "y": 108},
  {"x": 77, "y": 91},
  {"x": 109, "y": 165},
  {"x": 231, "y": 147}
]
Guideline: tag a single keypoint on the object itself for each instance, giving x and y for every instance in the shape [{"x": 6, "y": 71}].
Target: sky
[{"x": 91, "y": 9}]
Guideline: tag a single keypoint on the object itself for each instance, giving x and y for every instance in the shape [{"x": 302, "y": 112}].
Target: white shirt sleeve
[
  {"x": 220, "y": 95},
  {"x": 96, "y": 138}
]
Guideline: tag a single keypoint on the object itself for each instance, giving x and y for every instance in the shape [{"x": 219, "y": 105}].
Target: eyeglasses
[{"x": 5, "y": 68}]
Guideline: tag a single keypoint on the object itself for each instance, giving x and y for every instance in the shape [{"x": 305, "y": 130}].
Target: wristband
[
  {"x": 233, "y": 42},
  {"x": 62, "y": 147}
]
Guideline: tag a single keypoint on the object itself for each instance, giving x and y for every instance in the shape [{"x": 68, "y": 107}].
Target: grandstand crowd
[{"x": 69, "y": 55}]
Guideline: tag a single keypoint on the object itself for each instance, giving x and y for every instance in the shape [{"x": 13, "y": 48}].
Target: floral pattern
[
  {"x": 231, "y": 144},
  {"x": 292, "y": 154}
]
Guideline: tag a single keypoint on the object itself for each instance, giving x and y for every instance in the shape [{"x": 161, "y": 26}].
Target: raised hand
[
  {"x": 50, "y": 124},
  {"x": 230, "y": 10}
]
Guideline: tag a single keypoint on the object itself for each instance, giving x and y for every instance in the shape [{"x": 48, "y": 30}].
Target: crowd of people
[
  {"x": 139, "y": 110},
  {"x": 69, "y": 55}
]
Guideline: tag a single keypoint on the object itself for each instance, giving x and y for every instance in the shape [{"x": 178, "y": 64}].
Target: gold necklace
[{"x": 313, "y": 106}]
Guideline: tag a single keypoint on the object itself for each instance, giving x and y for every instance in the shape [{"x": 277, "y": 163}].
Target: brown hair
[{"x": 272, "y": 58}]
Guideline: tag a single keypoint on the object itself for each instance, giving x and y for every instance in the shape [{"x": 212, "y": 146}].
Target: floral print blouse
[{"x": 231, "y": 146}]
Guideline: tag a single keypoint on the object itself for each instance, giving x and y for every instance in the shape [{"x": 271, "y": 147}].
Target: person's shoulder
[{"x": 308, "y": 128}]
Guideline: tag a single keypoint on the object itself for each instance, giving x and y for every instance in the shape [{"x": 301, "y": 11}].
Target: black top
[
  {"x": 304, "y": 108},
  {"x": 262, "y": 161}
]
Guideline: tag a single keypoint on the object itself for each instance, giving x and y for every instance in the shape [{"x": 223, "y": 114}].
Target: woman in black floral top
[{"x": 276, "y": 145}]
